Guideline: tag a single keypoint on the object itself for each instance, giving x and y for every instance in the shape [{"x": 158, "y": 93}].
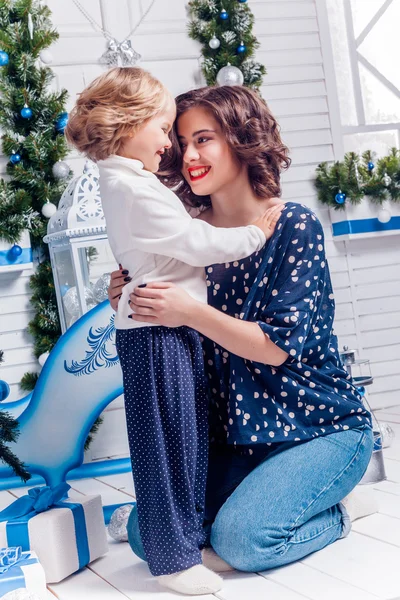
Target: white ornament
[
  {"x": 230, "y": 75},
  {"x": 49, "y": 209},
  {"x": 214, "y": 43},
  {"x": 46, "y": 57},
  {"x": 20, "y": 594},
  {"x": 384, "y": 216},
  {"x": 30, "y": 25},
  {"x": 61, "y": 169},
  {"x": 386, "y": 180},
  {"x": 42, "y": 358}
]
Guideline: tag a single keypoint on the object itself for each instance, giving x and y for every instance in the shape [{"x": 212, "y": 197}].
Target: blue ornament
[
  {"x": 3, "y": 58},
  {"x": 242, "y": 1},
  {"x": 371, "y": 166},
  {"x": 340, "y": 198},
  {"x": 14, "y": 252},
  {"x": 15, "y": 158},
  {"x": 224, "y": 15},
  {"x": 4, "y": 390},
  {"x": 242, "y": 48},
  {"x": 64, "y": 289},
  {"x": 26, "y": 112},
  {"x": 61, "y": 122}
]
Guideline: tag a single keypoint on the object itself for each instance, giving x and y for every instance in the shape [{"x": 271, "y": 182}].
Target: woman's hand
[
  {"x": 162, "y": 304},
  {"x": 118, "y": 280}
]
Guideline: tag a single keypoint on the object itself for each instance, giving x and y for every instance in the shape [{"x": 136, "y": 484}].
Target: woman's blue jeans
[{"x": 267, "y": 510}]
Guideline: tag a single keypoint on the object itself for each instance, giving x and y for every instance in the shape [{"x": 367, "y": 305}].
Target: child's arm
[{"x": 160, "y": 227}]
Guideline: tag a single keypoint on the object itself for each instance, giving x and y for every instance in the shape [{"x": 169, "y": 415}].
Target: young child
[{"x": 122, "y": 121}]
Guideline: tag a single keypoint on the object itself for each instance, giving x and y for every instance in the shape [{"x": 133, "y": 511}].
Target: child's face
[
  {"x": 150, "y": 141},
  {"x": 208, "y": 162}
]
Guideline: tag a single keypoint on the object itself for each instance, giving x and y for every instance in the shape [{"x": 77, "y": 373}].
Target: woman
[{"x": 289, "y": 436}]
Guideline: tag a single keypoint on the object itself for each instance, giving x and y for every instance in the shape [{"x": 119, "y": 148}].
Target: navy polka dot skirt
[{"x": 166, "y": 401}]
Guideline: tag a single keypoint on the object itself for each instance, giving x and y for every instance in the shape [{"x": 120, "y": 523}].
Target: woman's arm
[
  {"x": 242, "y": 338},
  {"x": 168, "y": 305}
]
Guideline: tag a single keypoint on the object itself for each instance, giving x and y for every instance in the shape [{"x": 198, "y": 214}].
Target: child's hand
[{"x": 267, "y": 222}]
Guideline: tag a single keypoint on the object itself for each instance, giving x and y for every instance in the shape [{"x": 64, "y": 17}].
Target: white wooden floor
[{"x": 364, "y": 566}]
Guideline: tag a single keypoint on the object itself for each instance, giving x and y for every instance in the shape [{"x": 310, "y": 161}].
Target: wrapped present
[
  {"x": 66, "y": 533},
  {"x": 21, "y": 570}
]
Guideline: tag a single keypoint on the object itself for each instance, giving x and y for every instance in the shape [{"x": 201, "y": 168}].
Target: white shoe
[
  {"x": 212, "y": 561},
  {"x": 195, "y": 581},
  {"x": 360, "y": 504}
]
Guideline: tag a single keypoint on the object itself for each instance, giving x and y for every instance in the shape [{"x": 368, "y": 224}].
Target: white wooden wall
[{"x": 300, "y": 89}]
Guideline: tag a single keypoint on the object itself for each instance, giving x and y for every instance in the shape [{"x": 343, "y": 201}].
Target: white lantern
[{"x": 79, "y": 250}]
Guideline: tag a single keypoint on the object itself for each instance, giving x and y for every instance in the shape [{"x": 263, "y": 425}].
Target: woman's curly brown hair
[{"x": 250, "y": 130}]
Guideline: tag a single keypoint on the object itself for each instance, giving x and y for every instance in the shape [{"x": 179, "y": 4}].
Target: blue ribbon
[
  {"x": 365, "y": 226},
  {"x": 11, "y": 574},
  {"x": 24, "y": 257},
  {"x": 41, "y": 499}
]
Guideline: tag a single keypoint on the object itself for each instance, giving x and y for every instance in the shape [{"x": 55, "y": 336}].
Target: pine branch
[
  {"x": 359, "y": 177},
  {"x": 236, "y": 30}
]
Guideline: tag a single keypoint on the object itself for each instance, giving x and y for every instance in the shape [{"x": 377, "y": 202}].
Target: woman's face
[{"x": 209, "y": 165}]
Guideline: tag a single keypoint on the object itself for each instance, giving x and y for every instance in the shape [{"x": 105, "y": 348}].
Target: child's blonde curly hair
[{"x": 113, "y": 107}]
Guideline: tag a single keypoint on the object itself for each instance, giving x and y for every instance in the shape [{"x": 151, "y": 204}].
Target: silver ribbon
[{"x": 120, "y": 54}]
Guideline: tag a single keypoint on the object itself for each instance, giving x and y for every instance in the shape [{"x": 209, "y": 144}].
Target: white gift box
[
  {"x": 26, "y": 573},
  {"x": 52, "y": 536},
  {"x": 361, "y": 221}
]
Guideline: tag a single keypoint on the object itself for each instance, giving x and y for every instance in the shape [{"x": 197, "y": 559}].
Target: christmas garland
[
  {"x": 357, "y": 177},
  {"x": 32, "y": 119},
  {"x": 224, "y": 27}
]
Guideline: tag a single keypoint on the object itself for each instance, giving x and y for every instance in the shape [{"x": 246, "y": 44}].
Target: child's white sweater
[{"x": 152, "y": 235}]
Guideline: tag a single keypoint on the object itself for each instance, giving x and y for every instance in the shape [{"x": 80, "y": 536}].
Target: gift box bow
[
  {"x": 9, "y": 557},
  {"x": 38, "y": 500},
  {"x": 12, "y": 574}
]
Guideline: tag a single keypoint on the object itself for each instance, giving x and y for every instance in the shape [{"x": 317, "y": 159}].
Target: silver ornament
[
  {"x": 118, "y": 523},
  {"x": 120, "y": 54},
  {"x": 46, "y": 57},
  {"x": 49, "y": 209},
  {"x": 386, "y": 180},
  {"x": 384, "y": 216},
  {"x": 214, "y": 43},
  {"x": 72, "y": 320},
  {"x": 60, "y": 169},
  {"x": 100, "y": 288},
  {"x": 21, "y": 594},
  {"x": 71, "y": 302},
  {"x": 387, "y": 434},
  {"x": 230, "y": 75}
]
